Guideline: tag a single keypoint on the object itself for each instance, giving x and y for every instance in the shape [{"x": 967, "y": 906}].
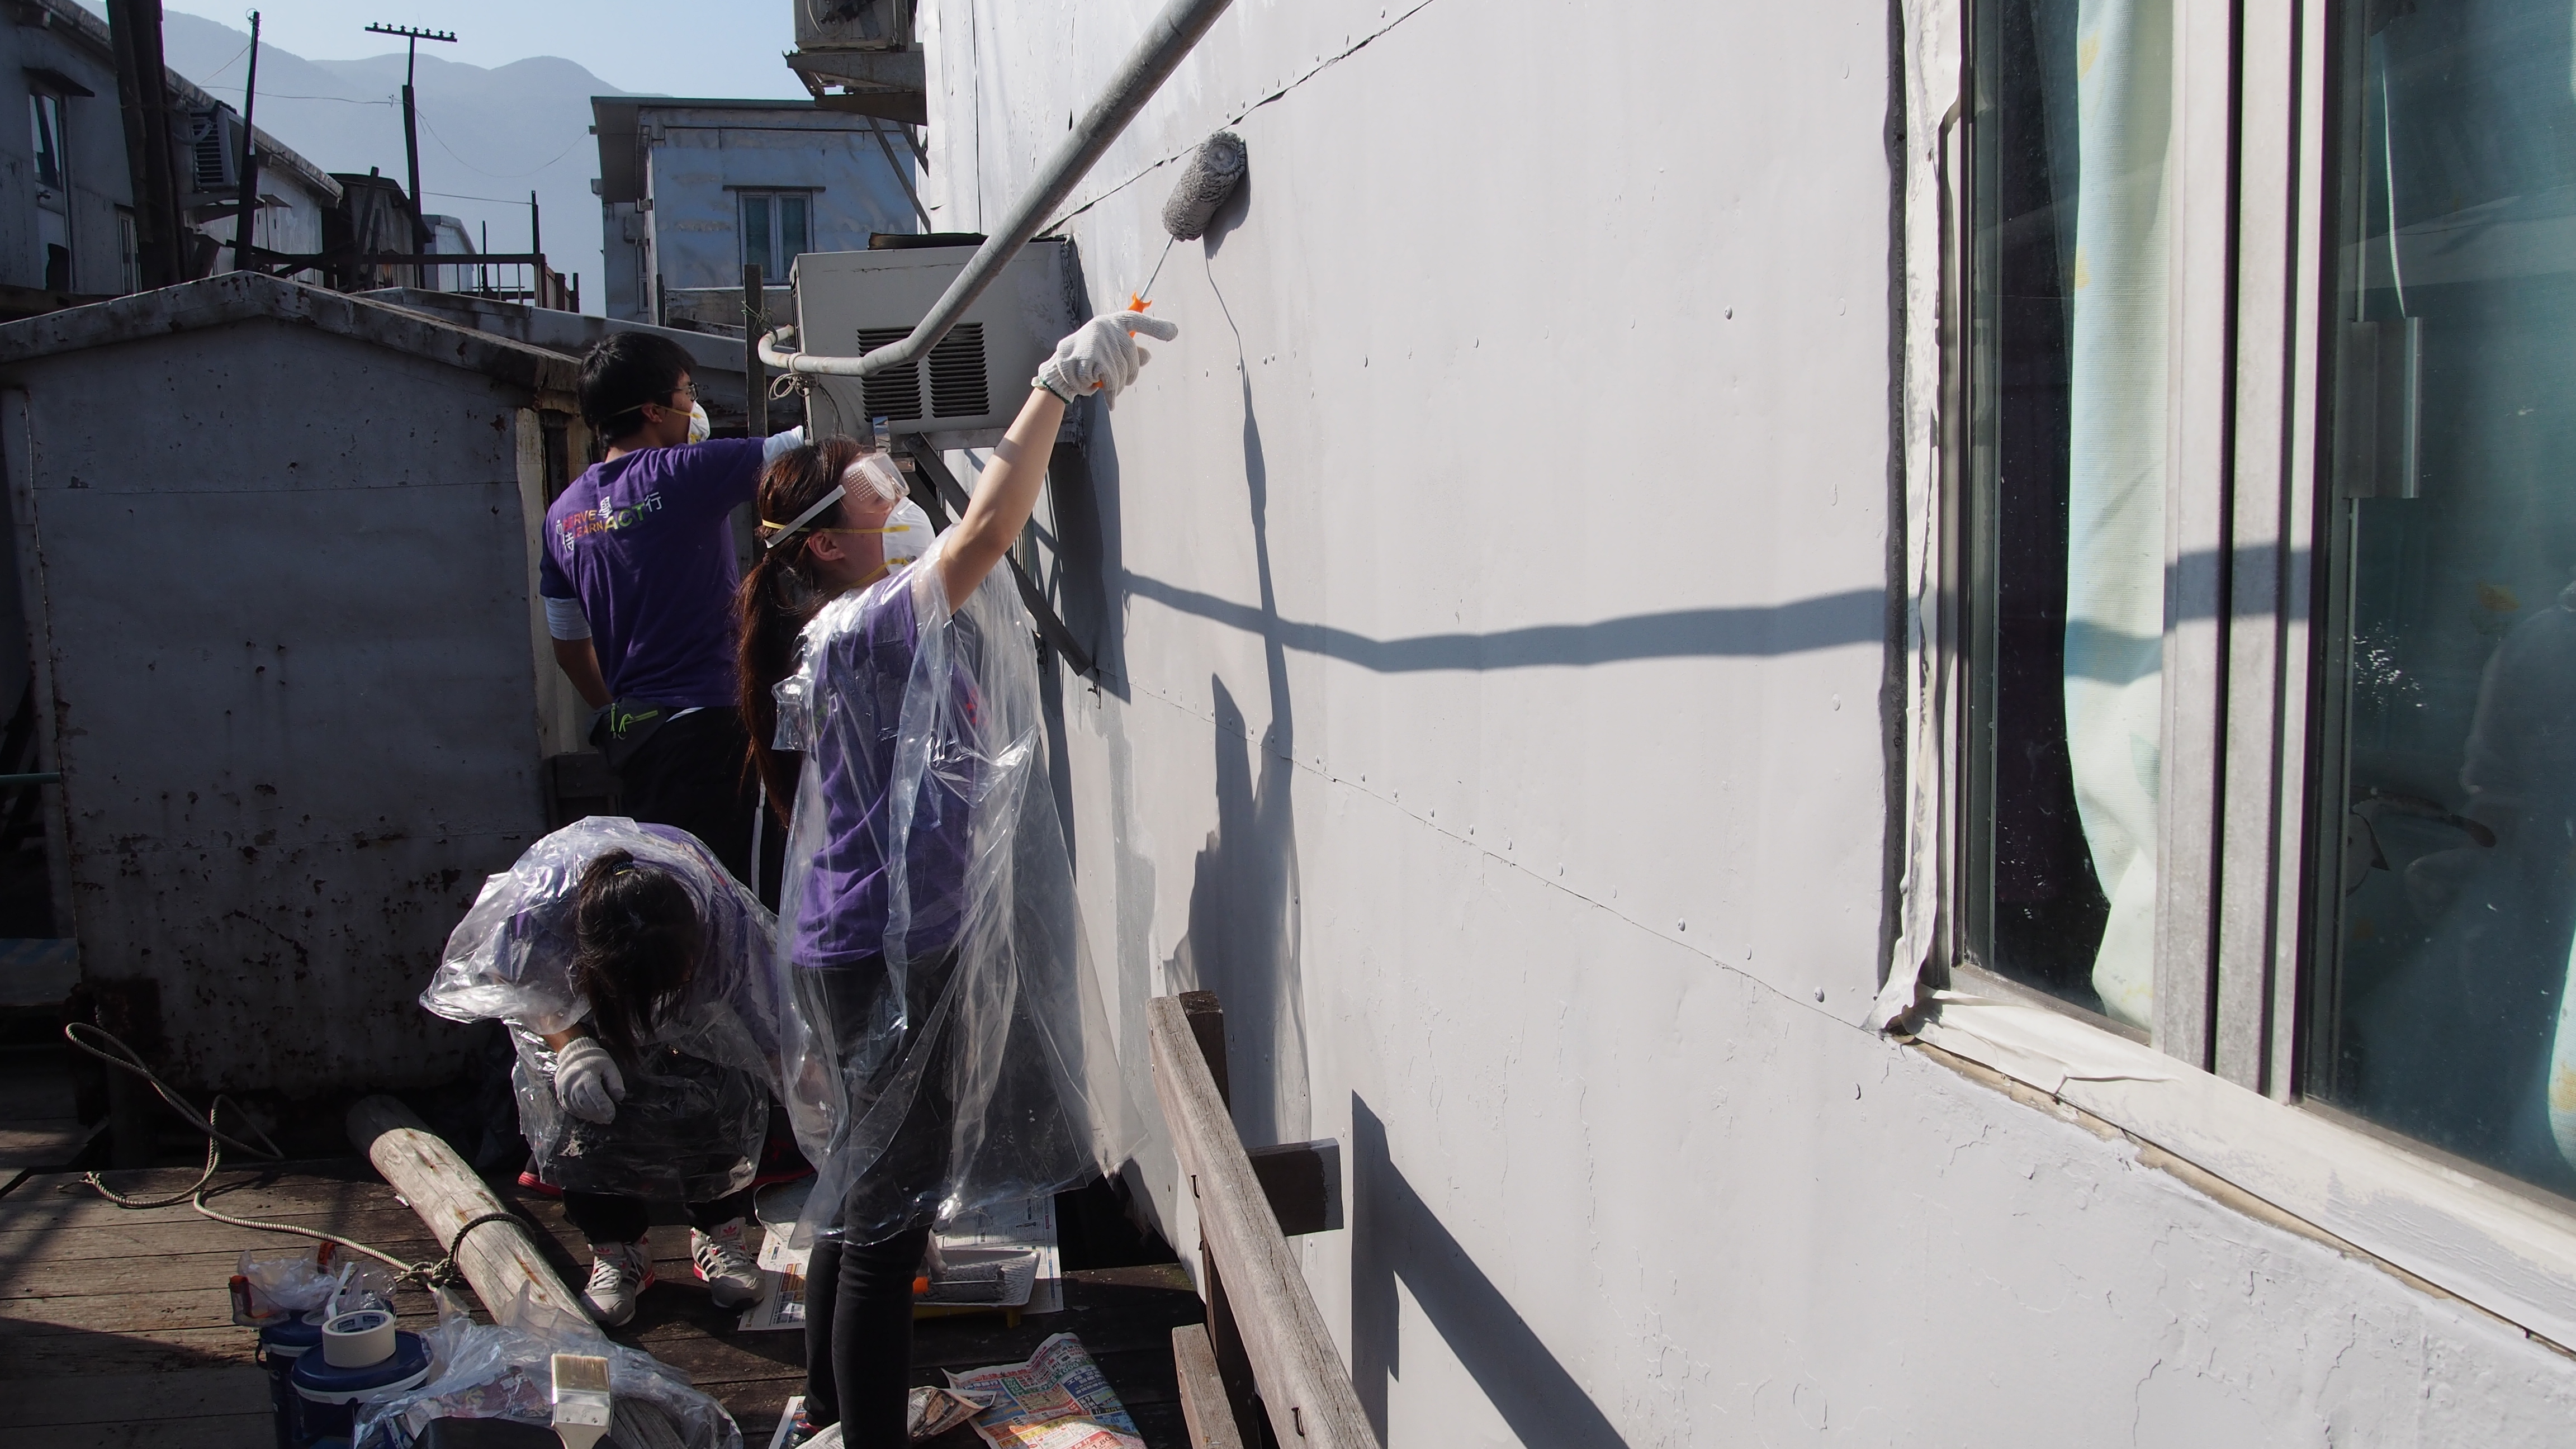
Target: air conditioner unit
[
  {"x": 855, "y": 24},
  {"x": 970, "y": 386},
  {"x": 214, "y": 150}
]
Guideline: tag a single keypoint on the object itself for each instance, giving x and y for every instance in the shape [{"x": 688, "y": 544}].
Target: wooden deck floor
[{"x": 115, "y": 1328}]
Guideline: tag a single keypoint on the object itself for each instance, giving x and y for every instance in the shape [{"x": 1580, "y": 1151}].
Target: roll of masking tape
[{"x": 358, "y": 1340}]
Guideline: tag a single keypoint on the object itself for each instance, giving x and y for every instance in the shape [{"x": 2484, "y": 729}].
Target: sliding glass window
[
  {"x": 2063, "y": 527},
  {"x": 2445, "y": 874}
]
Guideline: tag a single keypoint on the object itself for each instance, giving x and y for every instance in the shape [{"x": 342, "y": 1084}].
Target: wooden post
[
  {"x": 500, "y": 1262},
  {"x": 1233, "y": 1371},
  {"x": 1306, "y": 1393},
  {"x": 249, "y": 212},
  {"x": 1204, "y": 1408},
  {"x": 143, "y": 95}
]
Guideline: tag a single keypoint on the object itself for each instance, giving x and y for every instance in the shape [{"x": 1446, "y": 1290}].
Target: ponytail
[
  {"x": 780, "y": 594},
  {"x": 636, "y": 939}
]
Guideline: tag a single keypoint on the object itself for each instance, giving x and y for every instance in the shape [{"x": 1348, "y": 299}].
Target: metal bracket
[{"x": 947, "y": 491}]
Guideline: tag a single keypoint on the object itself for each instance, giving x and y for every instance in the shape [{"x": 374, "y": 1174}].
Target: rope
[{"x": 435, "y": 1273}]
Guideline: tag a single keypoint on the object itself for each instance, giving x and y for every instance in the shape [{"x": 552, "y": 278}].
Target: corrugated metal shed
[{"x": 274, "y": 550}]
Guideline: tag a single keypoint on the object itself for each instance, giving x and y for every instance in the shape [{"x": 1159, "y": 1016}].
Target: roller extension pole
[
  {"x": 1166, "y": 43},
  {"x": 499, "y": 1262}
]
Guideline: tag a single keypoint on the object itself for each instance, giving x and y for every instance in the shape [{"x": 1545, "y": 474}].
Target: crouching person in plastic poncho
[
  {"x": 637, "y": 980},
  {"x": 942, "y": 1003}
]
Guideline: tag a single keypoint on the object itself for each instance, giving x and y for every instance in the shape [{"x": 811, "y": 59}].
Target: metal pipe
[{"x": 1166, "y": 42}]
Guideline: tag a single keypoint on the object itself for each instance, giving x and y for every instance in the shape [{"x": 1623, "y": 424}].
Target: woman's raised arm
[{"x": 1101, "y": 356}]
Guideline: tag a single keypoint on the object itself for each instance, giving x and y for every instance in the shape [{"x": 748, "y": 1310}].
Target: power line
[
  {"x": 495, "y": 175},
  {"x": 495, "y": 200}
]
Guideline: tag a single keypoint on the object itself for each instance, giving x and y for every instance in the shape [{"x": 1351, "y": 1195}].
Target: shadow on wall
[
  {"x": 1394, "y": 1235},
  {"x": 1243, "y": 942}
]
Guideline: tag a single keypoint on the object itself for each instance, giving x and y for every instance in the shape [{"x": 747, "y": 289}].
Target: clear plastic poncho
[
  {"x": 504, "y": 1370},
  {"x": 696, "y": 1111},
  {"x": 943, "y": 1003}
]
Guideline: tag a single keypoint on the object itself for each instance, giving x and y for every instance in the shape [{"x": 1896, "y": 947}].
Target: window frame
[
  {"x": 2216, "y": 1081},
  {"x": 39, "y": 98},
  {"x": 42, "y": 99},
  {"x": 780, "y": 259},
  {"x": 2240, "y": 494}
]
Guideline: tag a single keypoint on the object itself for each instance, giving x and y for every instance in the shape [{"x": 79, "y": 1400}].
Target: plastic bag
[
  {"x": 272, "y": 1285},
  {"x": 943, "y": 1006},
  {"x": 696, "y": 1112},
  {"x": 505, "y": 1371}
]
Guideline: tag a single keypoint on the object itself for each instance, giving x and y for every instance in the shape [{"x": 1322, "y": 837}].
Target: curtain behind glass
[{"x": 2115, "y": 565}]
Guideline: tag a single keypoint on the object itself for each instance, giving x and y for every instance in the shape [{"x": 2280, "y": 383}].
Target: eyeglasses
[{"x": 688, "y": 390}]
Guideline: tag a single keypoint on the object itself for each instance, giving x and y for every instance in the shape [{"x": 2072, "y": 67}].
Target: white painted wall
[{"x": 1491, "y": 584}]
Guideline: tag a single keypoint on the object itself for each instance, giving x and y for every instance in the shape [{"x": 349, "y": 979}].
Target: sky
[{"x": 712, "y": 48}]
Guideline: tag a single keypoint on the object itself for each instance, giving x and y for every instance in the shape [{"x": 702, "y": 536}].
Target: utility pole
[
  {"x": 411, "y": 123},
  {"x": 249, "y": 158},
  {"x": 143, "y": 93}
]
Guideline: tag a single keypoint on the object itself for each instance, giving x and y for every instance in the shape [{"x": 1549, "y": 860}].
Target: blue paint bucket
[
  {"x": 327, "y": 1398},
  {"x": 280, "y": 1346}
]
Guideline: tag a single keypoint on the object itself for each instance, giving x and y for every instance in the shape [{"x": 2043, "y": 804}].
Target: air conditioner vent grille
[
  {"x": 957, "y": 388},
  {"x": 214, "y": 142},
  {"x": 896, "y": 393}
]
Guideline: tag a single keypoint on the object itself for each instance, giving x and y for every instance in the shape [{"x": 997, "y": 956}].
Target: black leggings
[
  {"x": 858, "y": 1296},
  {"x": 858, "y": 1337},
  {"x": 608, "y": 1217}
]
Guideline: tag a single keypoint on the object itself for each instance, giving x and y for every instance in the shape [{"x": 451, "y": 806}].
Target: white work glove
[
  {"x": 1100, "y": 356},
  {"x": 587, "y": 1081}
]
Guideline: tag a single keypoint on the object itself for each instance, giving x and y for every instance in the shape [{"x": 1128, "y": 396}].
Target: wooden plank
[
  {"x": 1303, "y": 1383},
  {"x": 1204, "y": 1406},
  {"x": 50, "y": 1278},
  {"x": 1303, "y": 1182},
  {"x": 1207, "y": 1028},
  {"x": 63, "y": 1200},
  {"x": 129, "y": 1398},
  {"x": 193, "y": 1234},
  {"x": 230, "y": 1431},
  {"x": 153, "y": 1351},
  {"x": 45, "y": 1143},
  {"x": 130, "y": 1312}
]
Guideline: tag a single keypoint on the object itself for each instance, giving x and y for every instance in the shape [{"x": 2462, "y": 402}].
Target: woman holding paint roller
[{"x": 940, "y": 999}]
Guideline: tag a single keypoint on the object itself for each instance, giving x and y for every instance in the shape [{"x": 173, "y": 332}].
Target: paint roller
[{"x": 1215, "y": 170}]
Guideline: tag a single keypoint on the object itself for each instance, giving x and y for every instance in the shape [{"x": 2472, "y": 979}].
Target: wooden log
[
  {"x": 504, "y": 1268},
  {"x": 1304, "y": 1387},
  {"x": 1203, "y": 1399}
]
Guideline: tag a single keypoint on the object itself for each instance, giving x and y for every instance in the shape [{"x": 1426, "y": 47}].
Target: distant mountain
[{"x": 493, "y": 134}]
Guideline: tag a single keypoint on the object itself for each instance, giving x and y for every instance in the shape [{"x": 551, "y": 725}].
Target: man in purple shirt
[{"x": 638, "y": 580}]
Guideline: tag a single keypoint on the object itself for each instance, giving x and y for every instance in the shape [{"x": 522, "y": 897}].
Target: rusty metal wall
[{"x": 278, "y": 588}]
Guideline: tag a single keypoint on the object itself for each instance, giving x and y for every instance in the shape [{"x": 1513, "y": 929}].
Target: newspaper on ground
[
  {"x": 932, "y": 1412},
  {"x": 1057, "y": 1400},
  {"x": 999, "y": 1257}
]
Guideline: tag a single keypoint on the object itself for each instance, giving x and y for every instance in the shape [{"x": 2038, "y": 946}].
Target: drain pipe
[{"x": 1166, "y": 42}]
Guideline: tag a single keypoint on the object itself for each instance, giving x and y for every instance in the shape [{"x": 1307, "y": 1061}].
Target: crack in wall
[{"x": 1321, "y": 66}]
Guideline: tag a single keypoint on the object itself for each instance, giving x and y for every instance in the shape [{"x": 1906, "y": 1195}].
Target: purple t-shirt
[
  {"x": 641, "y": 541},
  {"x": 842, "y": 916}
]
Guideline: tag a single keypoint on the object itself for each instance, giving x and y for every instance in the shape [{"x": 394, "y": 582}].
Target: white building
[
  {"x": 693, "y": 190},
  {"x": 1587, "y": 623},
  {"x": 66, "y": 193}
]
